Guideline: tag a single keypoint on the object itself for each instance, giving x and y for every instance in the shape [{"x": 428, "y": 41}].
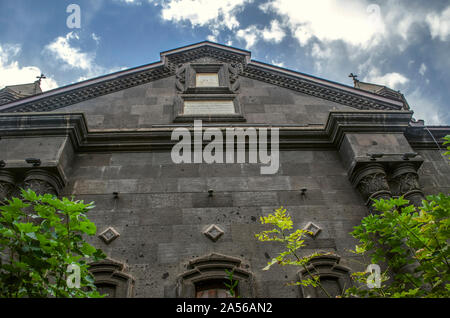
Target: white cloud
[
  {"x": 204, "y": 12},
  {"x": 136, "y": 2},
  {"x": 392, "y": 80},
  {"x": 96, "y": 38},
  {"x": 250, "y": 35},
  {"x": 71, "y": 56},
  {"x": 355, "y": 22},
  {"x": 439, "y": 24},
  {"x": 275, "y": 33},
  {"x": 358, "y": 23},
  {"x": 320, "y": 53},
  {"x": 253, "y": 33},
  {"x": 303, "y": 35},
  {"x": 213, "y": 36},
  {"x": 425, "y": 108},
  {"x": 404, "y": 21},
  {"x": 422, "y": 69},
  {"x": 280, "y": 64},
  {"x": 11, "y": 73}
]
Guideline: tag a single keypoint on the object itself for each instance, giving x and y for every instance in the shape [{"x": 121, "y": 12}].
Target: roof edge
[{"x": 206, "y": 43}]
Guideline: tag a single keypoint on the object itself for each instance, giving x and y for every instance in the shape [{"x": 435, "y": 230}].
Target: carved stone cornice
[
  {"x": 427, "y": 137},
  {"x": 159, "y": 137},
  {"x": 73, "y": 125},
  {"x": 365, "y": 121},
  {"x": 321, "y": 91},
  {"x": 74, "y": 96}
]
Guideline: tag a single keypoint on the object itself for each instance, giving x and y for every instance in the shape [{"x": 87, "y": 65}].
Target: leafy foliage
[
  {"x": 447, "y": 142},
  {"x": 232, "y": 283},
  {"x": 403, "y": 235},
  {"x": 39, "y": 237},
  {"x": 293, "y": 241}
]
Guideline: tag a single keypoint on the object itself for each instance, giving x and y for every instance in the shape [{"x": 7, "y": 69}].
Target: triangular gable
[{"x": 201, "y": 52}]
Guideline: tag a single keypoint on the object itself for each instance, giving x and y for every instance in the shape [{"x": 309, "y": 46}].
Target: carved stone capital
[
  {"x": 404, "y": 181},
  {"x": 42, "y": 182},
  {"x": 371, "y": 182},
  {"x": 7, "y": 184}
]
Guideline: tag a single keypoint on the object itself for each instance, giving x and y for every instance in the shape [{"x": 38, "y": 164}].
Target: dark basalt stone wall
[
  {"x": 153, "y": 103},
  {"x": 161, "y": 210}
]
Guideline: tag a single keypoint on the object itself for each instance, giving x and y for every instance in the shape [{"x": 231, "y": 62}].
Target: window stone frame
[
  {"x": 212, "y": 267},
  {"x": 187, "y": 91},
  {"x": 324, "y": 266},
  {"x": 112, "y": 272}
]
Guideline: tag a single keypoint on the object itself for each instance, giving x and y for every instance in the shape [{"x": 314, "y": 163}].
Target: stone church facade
[{"x": 171, "y": 230}]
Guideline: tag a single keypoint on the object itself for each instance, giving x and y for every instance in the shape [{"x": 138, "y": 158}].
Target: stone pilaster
[
  {"x": 42, "y": 182},
  {"x": 371, "y": 182},
  {"x": 404, "y": 180}
]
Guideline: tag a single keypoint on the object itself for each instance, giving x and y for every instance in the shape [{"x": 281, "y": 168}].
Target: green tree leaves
[
  {"x": 401, "y": 235},
  {"x": 40, "y": 236},
  {"x": 447, "y": 142},
  {"x": 293, "y": 241}
]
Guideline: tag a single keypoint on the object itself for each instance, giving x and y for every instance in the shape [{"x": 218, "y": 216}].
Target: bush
[
  {"x": 403, "y": 235},
  {"x": 40, "y": 236}
]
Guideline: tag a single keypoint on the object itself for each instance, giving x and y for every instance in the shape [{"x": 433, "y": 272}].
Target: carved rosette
[
  {"x": 7, "y": 185},
  {"x": 42, "y": 182},
  {"x": 371, "y": 182},
  {"x": 405, "y": 181}
]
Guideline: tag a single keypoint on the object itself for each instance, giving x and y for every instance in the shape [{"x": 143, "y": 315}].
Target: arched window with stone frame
[
  {"x": 111, "y": 278},
  {"x": 334, "y": 278},
  {"x": 206, "y": 277}
]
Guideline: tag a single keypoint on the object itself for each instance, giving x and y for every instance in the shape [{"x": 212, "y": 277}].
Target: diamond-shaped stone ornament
[
  {"x": 109, "y": 235},
  {"x": 315, "y": 229},
  {"x": 213, "y": 232}
]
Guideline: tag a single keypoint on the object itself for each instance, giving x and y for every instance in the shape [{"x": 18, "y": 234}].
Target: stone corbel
[
  {"x": 7, "y": 184},
  {"x": 404, "y": 181},
  {"x": 180, "y": 78},
  {"x": 233, "y": 74},
  {"x": 371, "y": 181},
  {"x": 43, "y": 181}
]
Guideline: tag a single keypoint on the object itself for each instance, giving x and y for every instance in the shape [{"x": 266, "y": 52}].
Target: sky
[{"x": 403, "y": 44}]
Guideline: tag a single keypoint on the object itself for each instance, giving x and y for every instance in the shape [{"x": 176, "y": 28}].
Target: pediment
[{"x": 204, "y": 52}]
